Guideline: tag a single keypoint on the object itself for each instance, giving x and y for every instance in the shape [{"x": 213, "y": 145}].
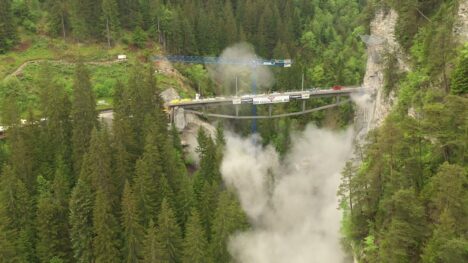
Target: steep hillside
[{"x": 405, "y": 198}]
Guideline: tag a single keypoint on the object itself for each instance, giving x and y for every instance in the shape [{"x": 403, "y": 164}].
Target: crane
[{"x": 253, "y": 63}]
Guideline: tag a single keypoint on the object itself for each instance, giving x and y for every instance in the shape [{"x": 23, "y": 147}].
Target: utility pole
[
  {"x": 302, "y": 85},
  {"x": 236, "y": 86}
]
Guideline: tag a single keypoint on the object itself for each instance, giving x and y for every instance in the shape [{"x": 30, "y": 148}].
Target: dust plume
[
  {"x": 292, "y": 204},
  {"x": 226, "y": 73}
]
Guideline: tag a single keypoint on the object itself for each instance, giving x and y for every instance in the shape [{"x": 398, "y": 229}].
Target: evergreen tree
[
  {"x": 195, "y": 245},
  {"x": 446, "y": 193},
  {"x": 52, "y": 217},
  {"x": 8, "y": 36},
  {"x": 445, "y": 245},
  {"x": 55, "y": 107},
  {"x": 345, "y": 190},
  {"x": 209, "y": 162},
  {"x": 85, "y": 20},
  {"x": 228, "y": 218},
  {"x": 81, "y": 222},
  {"x": 460, "y": 75},
  {"x": 132, "y": 230},
  {"x": 59, "y": 16},
  {"x": 8, "y": 249},
  {"x": 106, "y": 231},
  {"x": 176, "y": 143},
  {"x": 139, "y": 38},
  {"x": 405, "y": 230},
  {"x": 146, "y": 193},
  {"x": 125, "y": 148},
  {"x": 130, "y": 15},
  {"x": 189, "y": 44},
  {"x": 184, "y": 200},
  {"x": 169, "y": 235},
  {"x": 83, "y": 115},
  {"x": 230, "y": 27},
  {"x": 207, "y": 201},
  {"x": 110, "y": 18},
  {"x": 96, "y": 167},
  {"x": 15, "y": 216},
  {"x": 152, "y": 246}
]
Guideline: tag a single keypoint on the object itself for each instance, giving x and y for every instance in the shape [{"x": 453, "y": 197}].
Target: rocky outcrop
[
  {"x": 375, "y": 107},
  {"x": 169, "y": 94},
  {"x": 460, "y": 28},
  {"x": 188, "y": 124}
]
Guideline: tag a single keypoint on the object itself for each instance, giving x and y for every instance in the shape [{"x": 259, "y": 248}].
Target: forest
[
  {"x": 75, "y": 189},
  {"x": 406, "y": 199}
]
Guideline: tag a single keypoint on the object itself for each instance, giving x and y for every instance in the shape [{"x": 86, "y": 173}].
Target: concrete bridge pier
[{"x": 178, "y": 118}]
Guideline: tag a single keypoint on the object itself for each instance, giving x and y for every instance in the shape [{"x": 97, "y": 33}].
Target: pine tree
[
  {"x": 130, "y": 15},
  {"x": 106, "y": 230},
  {"x": 152, "y": 252},
  {"x": 209, "y": 162},
  {"x": 45, "y": 215},
  {"x": 81, "y": 222},
  {"x": 230, "y": 27},
  {"x": 207, "y": 202},
  {"x": 345, "y": 190},
  {"x": 8, "y": 248},
  {"x": 189, "y": 43},
  {"x": 447, "y": 194},
  {"x": 55, "y": 107},
  {"x": 459, "y": 83},
  {"x": 125, "y": 149},
  {"x": 176, "y": 143},
  {"x": 169, "y": 235},
  {"x": 52, "y": 217},
  {"x": 15, "y": 216},
  {"x": 400, "y": 242},
  {"x": 83, "y": 114},
  {"x": 220, "y": 139},
  {"x": 228, "y": 218},
  {"x": 446, "y": 245},
  {"x": 22, "y": 156},
  {"x": 59, "y": 16},
  {"x": 132, "y": 230},
  {"x": 85, "y": 16},
  {"x": 96, "y": 167},
  {"x": 8, "y": 36},
  {"x": 185, "y": 201},
  {"x": 141, "y": 94},
  {"x": 195, "y": 245},
  {"x": 146, "y": 193},
  {"x": 110, "y": 18}
]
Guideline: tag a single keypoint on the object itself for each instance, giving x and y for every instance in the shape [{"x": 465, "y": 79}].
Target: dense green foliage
[
  {"x": 323, "y": 36},
  {"x": 407, "y": 201},
  {"x": 74, "y": 190},
  {"x": 8, "y": 35}
]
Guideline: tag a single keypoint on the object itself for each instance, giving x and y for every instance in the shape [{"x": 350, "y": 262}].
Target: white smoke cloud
[
  {"x": 227, "y": 73},
  {"x": 292, "y": 204}
]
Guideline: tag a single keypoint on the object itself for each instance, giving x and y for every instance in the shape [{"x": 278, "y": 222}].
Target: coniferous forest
[{"x": 74, "y": 188}]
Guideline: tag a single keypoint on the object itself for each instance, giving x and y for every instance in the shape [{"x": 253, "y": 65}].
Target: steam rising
[
  {"x": 292, "y": 204},
  {"x": 227, "y": 73}
]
